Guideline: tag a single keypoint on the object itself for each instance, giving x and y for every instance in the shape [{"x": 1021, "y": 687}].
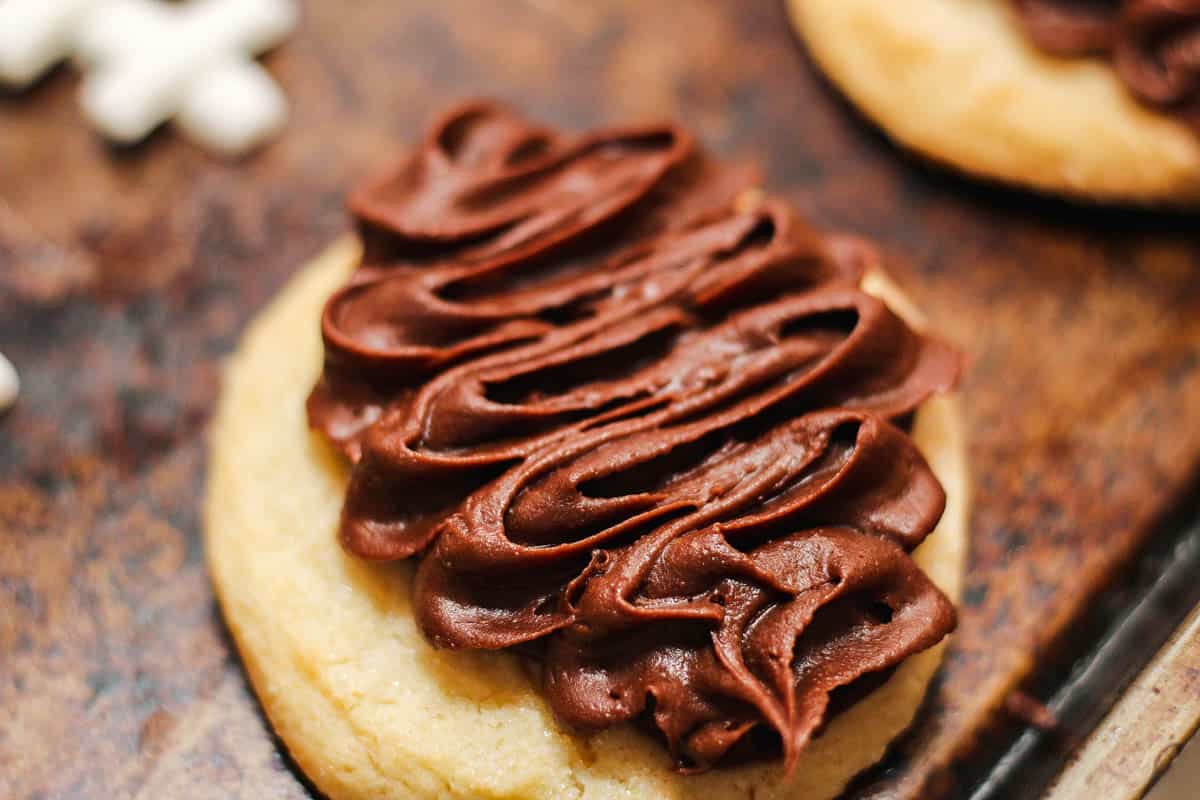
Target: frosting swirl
[
  {"x": 633, "y": 418},
  {"x": 1154, "y": 44}
]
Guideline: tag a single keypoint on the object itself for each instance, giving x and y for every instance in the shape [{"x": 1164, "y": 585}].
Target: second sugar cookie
[{"x": 1095, "y": 101}]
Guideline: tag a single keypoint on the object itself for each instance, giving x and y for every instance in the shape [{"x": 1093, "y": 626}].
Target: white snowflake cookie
[{"x": 147, "y": 61}]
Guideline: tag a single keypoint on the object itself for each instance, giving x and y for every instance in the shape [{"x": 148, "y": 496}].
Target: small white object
[
  {"x": 35, "y": 35},
  {"x": 147, "y": 61},
  {"x": 234, "y": 107},
  {"x": 10, "y": 384}
]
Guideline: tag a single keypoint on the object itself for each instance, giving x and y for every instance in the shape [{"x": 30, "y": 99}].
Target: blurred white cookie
[{"x": 146, "y": 62}]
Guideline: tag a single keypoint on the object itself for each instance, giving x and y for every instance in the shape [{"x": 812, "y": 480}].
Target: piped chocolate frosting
[
  {"x": 639, "y": 423},
  {"x": 1154, "y": 45}
]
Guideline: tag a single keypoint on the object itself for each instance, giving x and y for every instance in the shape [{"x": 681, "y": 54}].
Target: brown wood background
[{"x": 126, "y": 275}]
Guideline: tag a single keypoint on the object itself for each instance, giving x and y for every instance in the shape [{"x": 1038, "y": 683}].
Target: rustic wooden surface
[{"x": 126, "y": 275}]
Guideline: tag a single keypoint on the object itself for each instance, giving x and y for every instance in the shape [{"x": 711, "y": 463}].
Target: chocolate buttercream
[
  {"x": 1154, "y": 45},
  {"x": 638, "y": 422}
]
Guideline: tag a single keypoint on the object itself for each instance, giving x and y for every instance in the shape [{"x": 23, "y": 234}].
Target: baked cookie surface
[
  {"x": 365, "y": 705},
  {"x": 958, "y": 82}
]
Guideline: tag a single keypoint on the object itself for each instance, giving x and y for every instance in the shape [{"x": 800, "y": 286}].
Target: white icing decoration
[
  {"x": 10, "y": 384},
  {"x": 35, "y": 35},
  {"x": 148, "y": 61}
]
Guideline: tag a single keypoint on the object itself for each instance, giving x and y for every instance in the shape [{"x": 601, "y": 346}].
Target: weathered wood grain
[{"x": 126, "y": 275}]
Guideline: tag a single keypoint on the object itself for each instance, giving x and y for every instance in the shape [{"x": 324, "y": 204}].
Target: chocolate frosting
[
  {"x": 1154, "y": 45},
  {"x": 637, "y": 422}
]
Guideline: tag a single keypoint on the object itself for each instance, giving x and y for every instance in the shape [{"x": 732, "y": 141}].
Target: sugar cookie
[
  {"x": 631, "y": 418},
  {"x": 958, "y": 81}
]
